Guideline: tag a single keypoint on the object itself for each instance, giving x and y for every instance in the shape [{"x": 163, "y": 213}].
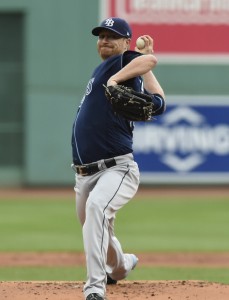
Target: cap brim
[{"x": 96, "y": 31}]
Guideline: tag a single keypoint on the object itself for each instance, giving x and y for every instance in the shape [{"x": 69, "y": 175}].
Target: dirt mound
[
  {"x": 141, "y": 290},
  {"x": 124, "y": 290}
]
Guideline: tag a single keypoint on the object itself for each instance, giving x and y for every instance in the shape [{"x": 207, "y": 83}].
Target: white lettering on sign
[
  {"x": 174, "y": 11},
  {"x": 185, "y": 5},
  {"x": 219, "y": 5},
  {"x": 184, "y": 139},
  {"x": 166, "y": 4}
]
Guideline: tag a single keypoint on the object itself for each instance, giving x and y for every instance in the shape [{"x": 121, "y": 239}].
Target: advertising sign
[
  {"x": 197, "y": 27},
  {"x": 189, "y": 143}
]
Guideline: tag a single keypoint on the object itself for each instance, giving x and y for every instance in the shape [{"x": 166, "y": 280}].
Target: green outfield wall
[
  {"x": 58, "y": 57},
  {"x": 50, "y": 57}
]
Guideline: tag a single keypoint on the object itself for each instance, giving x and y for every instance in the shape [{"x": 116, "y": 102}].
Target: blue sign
[{"x": 185, "y": 140}]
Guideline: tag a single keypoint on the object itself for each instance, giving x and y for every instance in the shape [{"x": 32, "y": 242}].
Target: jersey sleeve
[
  {"x": 158, "y": 102},
  {"x": 128, "y": 56}
]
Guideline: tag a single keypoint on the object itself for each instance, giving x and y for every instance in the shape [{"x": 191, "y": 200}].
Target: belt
[{"x": 93, "y": 168}]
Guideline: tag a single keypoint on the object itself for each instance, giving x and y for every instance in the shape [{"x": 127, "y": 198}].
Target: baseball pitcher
[{"x": 122, "y": 90}]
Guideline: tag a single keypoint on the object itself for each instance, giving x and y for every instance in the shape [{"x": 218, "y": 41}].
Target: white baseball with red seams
[{"x": 140, "y": 43}]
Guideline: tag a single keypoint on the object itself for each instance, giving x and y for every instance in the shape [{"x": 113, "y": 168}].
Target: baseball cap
[{"x": 117, "y": 25}]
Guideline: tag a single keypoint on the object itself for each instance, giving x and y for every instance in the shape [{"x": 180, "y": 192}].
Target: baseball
[{"x": 140, "y": 43}]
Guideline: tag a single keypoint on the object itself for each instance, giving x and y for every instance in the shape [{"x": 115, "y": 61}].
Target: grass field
[
  {"x": 146, "y": 224},
  {"x": 79, "y": 273}
]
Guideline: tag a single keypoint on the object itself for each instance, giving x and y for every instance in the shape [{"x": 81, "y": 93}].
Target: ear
[{"x": 128, "y": 43}]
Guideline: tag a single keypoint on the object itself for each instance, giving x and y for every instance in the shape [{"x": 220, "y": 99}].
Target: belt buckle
[{"x": 81, "y": 171}]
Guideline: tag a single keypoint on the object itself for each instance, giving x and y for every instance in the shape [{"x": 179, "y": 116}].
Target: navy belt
[{"x": 93, "y": 168}]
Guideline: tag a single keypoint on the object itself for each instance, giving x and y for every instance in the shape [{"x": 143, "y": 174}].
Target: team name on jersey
[{"x": 88, "y": 89}]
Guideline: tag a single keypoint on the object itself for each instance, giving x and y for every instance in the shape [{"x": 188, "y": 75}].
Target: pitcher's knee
[{"x": 93, "y": 207}]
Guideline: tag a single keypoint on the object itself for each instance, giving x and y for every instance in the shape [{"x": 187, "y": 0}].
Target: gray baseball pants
[{"x": 98, "y": 198}]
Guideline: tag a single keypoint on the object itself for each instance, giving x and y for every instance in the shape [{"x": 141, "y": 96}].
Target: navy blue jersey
[{"x": 98, "y": 133}]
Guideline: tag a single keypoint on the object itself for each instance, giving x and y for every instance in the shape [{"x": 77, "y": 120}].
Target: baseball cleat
[
  {"x": 110, "y": 280},
  {"x": 94, "y": 297}
]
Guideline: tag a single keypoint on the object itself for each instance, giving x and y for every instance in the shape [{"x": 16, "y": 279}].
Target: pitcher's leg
[
  {"x": 119, "y": 264},
  {"x": 114, "y": 188},
  {"x": 82, "y": 189},
  {"x": 96, "y": 237}
]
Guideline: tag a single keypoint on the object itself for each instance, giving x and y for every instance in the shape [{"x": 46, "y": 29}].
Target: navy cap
[{"x": 117, "y": 25}]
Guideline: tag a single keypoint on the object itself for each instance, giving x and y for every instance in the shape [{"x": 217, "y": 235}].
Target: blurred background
[{"x": 47, "y": 55}]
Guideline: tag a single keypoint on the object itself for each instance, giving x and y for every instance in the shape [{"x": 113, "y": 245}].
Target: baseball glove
[{"x": 131, "y": 105}]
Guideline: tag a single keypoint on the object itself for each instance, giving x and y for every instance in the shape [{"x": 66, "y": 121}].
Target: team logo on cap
[{"x": 109, "y": 22}]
